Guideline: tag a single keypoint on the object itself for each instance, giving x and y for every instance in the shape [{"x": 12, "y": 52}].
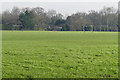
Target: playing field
[{"x": 52, "y": 54}]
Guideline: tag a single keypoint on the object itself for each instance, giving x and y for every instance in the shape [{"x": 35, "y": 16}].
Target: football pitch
[{"x": 59, "y": 54}]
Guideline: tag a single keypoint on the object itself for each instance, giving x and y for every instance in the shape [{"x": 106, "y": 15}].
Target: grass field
[{"x": 45, "y": 54}]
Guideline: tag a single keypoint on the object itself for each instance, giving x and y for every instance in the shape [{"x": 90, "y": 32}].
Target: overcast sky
[{"x": 62, "y": 6}]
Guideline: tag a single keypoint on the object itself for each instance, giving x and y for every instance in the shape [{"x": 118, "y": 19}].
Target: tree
[
  {"x": 109, "y": 16},
  {"x": 26, "y": 20},
  {"x": 39, "y": 19},
  {"x": 77, "y": 21}
]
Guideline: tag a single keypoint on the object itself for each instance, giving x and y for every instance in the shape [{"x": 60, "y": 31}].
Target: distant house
[
  {"x": 55, "y": 28},
  {"x": 59, "y": 29},
  {"x": 17, "y": 27}
]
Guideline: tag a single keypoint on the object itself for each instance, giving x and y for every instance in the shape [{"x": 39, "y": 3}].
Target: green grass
[{"x": 45, "y": 54}]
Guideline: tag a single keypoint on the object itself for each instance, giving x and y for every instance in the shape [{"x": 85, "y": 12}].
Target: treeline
[{"x": 38, "y": 19}]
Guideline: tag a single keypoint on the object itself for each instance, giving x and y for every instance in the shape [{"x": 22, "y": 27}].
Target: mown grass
[{"x": 45, "y": 54}]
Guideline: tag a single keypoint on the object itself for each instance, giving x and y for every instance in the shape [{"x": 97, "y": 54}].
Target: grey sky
[{"x": 61, "y": 7}]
